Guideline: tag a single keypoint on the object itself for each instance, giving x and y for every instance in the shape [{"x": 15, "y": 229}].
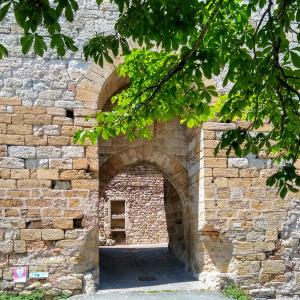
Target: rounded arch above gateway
[
  {"x": 167, "y": 149},
  {"x": 101, "y": 83},
  {"x": 171, "y": 169}
]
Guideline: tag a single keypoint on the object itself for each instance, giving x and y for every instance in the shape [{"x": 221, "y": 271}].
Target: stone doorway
[{"x": 141, "y": 215}]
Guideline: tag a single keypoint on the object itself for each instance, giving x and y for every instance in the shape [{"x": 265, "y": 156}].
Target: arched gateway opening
[
  {"x": 141, "y": 230},
  {"x": 143, "y": 212},
  {"x": 154, "y": 205}
]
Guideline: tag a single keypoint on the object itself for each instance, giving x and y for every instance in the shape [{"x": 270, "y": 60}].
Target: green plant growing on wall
[
  {"x": 235, "y": 292},
  {"x": 198, "y": 40},
  {"x": 35, "y": 295}
]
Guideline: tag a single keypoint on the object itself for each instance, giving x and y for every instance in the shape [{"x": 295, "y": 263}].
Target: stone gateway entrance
[
  {"x": 140, "y": 207},
  {"x": 221, "y": 219}
]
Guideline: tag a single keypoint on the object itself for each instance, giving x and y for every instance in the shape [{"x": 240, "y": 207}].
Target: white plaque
[{"x": 20, "y": 274}]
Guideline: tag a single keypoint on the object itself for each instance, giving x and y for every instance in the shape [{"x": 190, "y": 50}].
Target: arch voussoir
[{"x": 173, "y": 170}]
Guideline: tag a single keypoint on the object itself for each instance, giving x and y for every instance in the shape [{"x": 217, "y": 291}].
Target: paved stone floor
[
  {"x": 175, "y": 295},
  {"x": 122, "y": 268}
]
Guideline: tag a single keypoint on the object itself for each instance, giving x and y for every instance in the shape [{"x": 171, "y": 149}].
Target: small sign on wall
[
  {"x": 38, "y": 275},
  {"x": 20, "y": 274}
]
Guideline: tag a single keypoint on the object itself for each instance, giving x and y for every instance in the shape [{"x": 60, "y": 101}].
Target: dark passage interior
[
  {"x": 141, "y": 231},
  {"x": 127, "y": 267}
]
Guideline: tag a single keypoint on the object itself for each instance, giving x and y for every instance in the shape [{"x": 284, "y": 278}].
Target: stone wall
[
  {"x": 227, "y": 224},
  {"x": 248, "y": 232},
  {"x": 46, "y": 186},
  {"x": 142, "y": 188}
]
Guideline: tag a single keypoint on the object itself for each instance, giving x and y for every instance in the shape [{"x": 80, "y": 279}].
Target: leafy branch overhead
[{"x": 254, "y": 45}]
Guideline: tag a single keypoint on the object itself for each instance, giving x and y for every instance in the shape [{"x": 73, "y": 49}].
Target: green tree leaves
[
  {"x": 103, "y": 47},
  {"x": 44, "y": 15},
  {"x": 3, "y": 51},
  {"x": 4, "y": 10},
  {"x": 26, "y": 42},
  {"x": 197, "y": 40}
]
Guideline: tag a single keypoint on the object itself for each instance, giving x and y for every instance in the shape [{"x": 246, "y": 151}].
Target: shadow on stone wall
[{"x": 218, "y": 247}]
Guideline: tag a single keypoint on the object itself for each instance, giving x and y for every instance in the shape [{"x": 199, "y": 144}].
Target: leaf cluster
[
  {"x": 235, "y": 292},
  {"x": 41, "y": 22}
]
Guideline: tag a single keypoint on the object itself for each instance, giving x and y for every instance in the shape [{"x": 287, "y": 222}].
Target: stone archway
[
  {"x": 141, "y": 211},
  {"x": 173, "y": 170},
  {"x": 167, "y": 151}
]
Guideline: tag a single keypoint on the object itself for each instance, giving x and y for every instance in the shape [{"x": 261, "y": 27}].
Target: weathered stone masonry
[
  {"x": 140, "y": 210},
  {"x": 225, "y": 222}
]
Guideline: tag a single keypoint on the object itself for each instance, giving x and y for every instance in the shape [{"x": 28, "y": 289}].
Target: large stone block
[
  {"x": 68, "y": 244},
  {"x": 48, "y": 152},
  {"x": 271, "y": 234},
  {"x": 62, "y": 185},
  {"x": 33, "y": 163},
  {"x": 63, "y": 163},
  {"x": 7, "y": 274},
  {"x": 7, "y": 183},
  {"x": 234, "y": 162},
  {"x": 69, "y": 283},
  {"x": 214, "y": 162},
  {"x": 248, "y": 267},
  {"x": 30, "y": 110},
  {"x": 52, "y": 212},
  {"x": 20, "y": 246},
  {"x": 33, "y": 183},
  {"x": 12, "y": 139},
  {"x": 3, "y": 129},
  {"x": 10, "y": 101},
  {"x": 72, "y": 174},
  {"x": 11, "y": 202},
  {"x": 33, "y": 140},
  {"x": 12, "y": 223},
  {"x": 46, "y": 130},
  {"x": 6, "y": 247},
  {"x": 62, "y": 121},
  {"x": 5, "y": 118},
  {"x": 52, "y": 234},
  {"x": 56, "y": 111},
  {"x": 47, "y": 174},
  {"x": 225, "y": 172},
  {"x": 19, "y": 173},
  {"x": 50, "y": 94},
  {"x": 17, "y": 129},
  {"x": 262, "y": 246},
  {"x": 11, "y": 163},
  {"x": 273, "y": 266},
  {"x": 74, "y": 234},
  {"x": 59, "y": 140},
  {"x": 63, "y": 223},
  {"x": 243, "y": 248},
  {"x": 92, "y": 184},
  {"x": 80, "y": 163},
  {"x": 21, "y": 151},
  {"x": 72, "y": 151},
  {"x": 37, "y": 119},
  {"x": 31, "y": 234}
]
